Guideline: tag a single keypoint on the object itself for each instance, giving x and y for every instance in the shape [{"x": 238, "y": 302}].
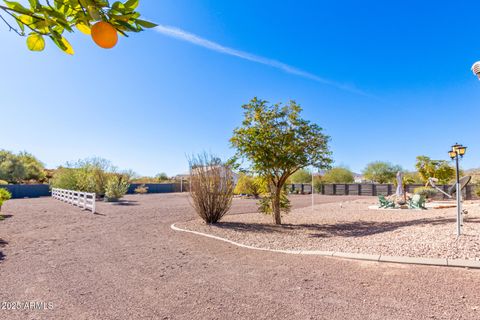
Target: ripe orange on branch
[{"x": 104, "y": 35}]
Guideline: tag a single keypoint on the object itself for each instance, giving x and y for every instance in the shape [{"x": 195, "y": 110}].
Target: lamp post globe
[
  {"x": 458, "y": 151},
  {"x": 476, "y": 69}
]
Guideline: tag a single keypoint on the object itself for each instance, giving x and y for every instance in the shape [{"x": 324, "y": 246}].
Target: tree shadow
[
  {"x": 345, "y": 229},
  {"x": 100, "y": 214},
  {"x": 3, "y": 243},
  {"x": 125, "y": 203}
]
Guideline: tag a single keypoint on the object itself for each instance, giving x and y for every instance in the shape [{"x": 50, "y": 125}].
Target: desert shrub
[
  {"x": 93, "y": 174},
  {"x": 116, "y": 186},
  {"x": 265, "y": 203},
  {"x": 211, "y": 187},
  {"x": 161, "y": 177},
  {"x": 426, "y": 192},
  {"x": 317, "y": 184},
  {"x": 477, "y": 189},
  {"x": 89, "y": 175},
  {"x": 4, "y": 196},
  {"x": 141, "y": 189},
  {"x": 3, "y": 182},
  {"x": 250, "y": 185},
  {"x": 65, "y": 178}
]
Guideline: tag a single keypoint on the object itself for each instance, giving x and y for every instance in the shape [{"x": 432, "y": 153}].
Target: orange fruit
[{"x": 104, "y": 35}]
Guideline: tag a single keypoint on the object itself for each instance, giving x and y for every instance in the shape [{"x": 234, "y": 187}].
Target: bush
[
  {"x": 317, "y": 184},
  {"x": 426, "y": 192},
  {"x": 117, "y": 187},
  {"x": 65, "y": 178},
  {"x": 477, "y": 190},
  {"x": 211, "y": 187},
  {"x": 89, "y": 175},
  {"x": 141, "y": 189},
  {"x": 161, "y": 177},
  {"x": 249, "y": 185},
  {"x": 4, "y": 196},
  {"x": 265, "y": 203}
]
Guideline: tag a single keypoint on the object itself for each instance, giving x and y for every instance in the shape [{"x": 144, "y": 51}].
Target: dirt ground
[
  {"x": 126, "y": 263},
  {"x": 350, "y": 226}
]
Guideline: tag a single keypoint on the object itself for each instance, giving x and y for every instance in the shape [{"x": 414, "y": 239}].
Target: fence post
[{"x": 347, "y": 192}]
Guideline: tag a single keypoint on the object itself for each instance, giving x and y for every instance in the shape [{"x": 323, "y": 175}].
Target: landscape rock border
[{"x": 441, "y": 262}]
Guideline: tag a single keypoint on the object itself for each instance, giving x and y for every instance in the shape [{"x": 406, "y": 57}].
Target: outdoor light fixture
[
  {"x": 458, "y": 151},
  {"x": 476, "y": 69}
]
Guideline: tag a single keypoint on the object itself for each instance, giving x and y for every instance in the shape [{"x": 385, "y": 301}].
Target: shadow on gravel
[
  {"x": 5, "y": 216},
  {"x": 3, "y": 243},
  {"x": 348, "y": 229},
  {"x": 125, "y": 203}
]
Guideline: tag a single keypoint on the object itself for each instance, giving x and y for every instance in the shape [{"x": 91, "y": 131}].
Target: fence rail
[
  {"x": 84, "y": 200},
  {"x": 371, "y": 189}
]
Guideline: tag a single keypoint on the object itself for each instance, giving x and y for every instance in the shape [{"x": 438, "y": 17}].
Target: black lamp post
[{"x": 458, "y": 151}]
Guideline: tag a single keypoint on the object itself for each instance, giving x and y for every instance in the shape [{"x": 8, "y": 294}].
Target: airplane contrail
[{"x": 202, "y": 42}]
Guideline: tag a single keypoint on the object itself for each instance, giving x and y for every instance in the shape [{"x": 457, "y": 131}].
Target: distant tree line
[{"x": 382, "y": 172}]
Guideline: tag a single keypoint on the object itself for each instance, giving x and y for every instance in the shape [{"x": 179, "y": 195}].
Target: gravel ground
[
  {"x": 350, "y": 226},
  {"x": 126, "y": 263}
]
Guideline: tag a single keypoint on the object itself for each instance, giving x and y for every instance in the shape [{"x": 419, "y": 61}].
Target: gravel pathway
[
  {"x": 351, "y": 227},
  {"x": 126, "y": 263}
]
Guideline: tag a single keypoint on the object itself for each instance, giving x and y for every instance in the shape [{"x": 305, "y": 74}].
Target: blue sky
[{"x": 386, "y": 80}]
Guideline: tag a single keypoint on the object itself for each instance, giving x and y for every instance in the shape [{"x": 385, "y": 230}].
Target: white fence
[{"x": 83, "y": 200}]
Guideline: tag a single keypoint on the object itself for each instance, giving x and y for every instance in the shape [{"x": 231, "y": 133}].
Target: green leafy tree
[
  {"x": 22, "y": 167},
  {"x": 301, "y": 176},
  {"x": 161, "y": 177},
  {"x": 338, "y": 175},
  {"x": 51, "y": 19},
  {"x": 277, "y": 142},
  {"x": 12, "y": 168},
  {"x": 34, "y": 169},
  {"x": 439, "y": 169},
  {"x": 381, "y": 172}
]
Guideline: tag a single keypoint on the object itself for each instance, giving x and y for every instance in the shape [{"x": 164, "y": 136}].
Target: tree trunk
[{"x": 276, "y": 205}]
